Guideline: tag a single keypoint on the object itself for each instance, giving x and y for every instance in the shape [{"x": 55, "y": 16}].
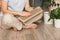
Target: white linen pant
[{"x": 10, "y": 21}]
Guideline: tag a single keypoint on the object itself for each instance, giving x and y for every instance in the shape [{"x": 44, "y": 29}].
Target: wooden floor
[{"x": 43, "y": 32}]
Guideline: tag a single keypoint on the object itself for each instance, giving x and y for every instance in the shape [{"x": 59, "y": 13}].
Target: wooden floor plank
[{"x": 43, "y": 32}]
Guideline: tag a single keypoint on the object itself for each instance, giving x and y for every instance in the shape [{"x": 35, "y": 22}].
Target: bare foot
[
  {"x": 14, "y": 29},
  {"x": 33, "y": 26}
]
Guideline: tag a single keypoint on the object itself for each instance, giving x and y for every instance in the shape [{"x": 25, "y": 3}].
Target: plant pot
[
  {"x": 57, "y": 23},
  {"x": 46, "y": 17}
]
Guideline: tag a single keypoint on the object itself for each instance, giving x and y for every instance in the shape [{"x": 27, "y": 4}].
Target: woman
[
  {"x": 0, "y": 12},
  {"x": 15, "y": 7}
]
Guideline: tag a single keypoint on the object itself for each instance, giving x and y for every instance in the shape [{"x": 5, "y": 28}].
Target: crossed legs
[{"x": 10, "y": 21}]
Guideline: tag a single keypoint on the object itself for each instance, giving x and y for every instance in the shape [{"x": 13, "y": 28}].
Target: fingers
[{"x": 26, "y": 14}]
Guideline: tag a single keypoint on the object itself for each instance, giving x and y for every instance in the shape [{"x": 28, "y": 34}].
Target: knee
[{"x": 7, "y": 18}]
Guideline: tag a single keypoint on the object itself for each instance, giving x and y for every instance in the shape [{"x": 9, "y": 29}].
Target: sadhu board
[{"x": 35, "y": 14}]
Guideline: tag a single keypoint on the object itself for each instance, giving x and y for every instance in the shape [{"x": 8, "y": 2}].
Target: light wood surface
[{"x": 43, "y": 32}]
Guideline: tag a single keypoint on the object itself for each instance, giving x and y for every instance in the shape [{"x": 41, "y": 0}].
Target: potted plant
[
  {"x": 46, "y": 7},
  {"x": 55, "y": 14}
]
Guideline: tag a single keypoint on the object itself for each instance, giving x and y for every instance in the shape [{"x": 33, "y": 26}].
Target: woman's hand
[
  {"x": 24, "y": 14},
  {"x": 38, "y": 8}
]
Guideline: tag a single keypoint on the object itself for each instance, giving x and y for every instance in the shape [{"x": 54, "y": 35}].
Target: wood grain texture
[{"x": 43, "y": 32}]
